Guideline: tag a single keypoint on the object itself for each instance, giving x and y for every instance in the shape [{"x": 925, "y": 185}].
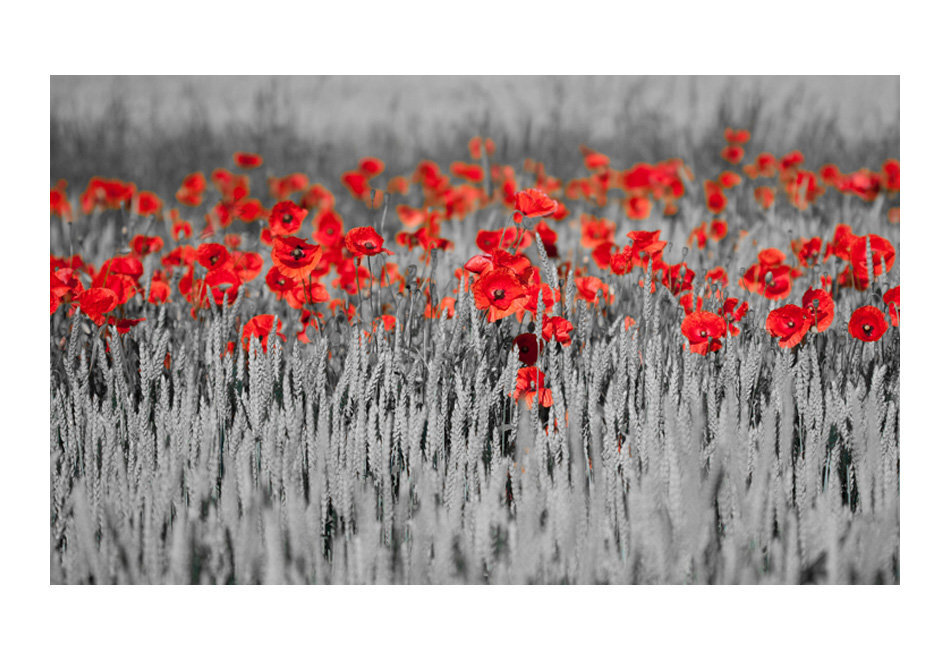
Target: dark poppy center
[
  {"x": 213, "y": 259},
  {"x": 791, "y": 324},
  {"x": 287, "y": 219},
  {"x": 330, "y": 231},
  {"x": 369, "y": 245},
  {"x": 297, "y": 253},
  {"x": 498, "y": 294},
  {"x": 867, "y": 329},
  {"x": 703, "y": 333}
]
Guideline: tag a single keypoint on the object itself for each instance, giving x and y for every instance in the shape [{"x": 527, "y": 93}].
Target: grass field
[{"x": 393, "y": 427}]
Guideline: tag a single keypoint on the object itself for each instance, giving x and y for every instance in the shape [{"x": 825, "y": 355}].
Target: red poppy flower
[
  {"x": 829, "y": 174},
  {"x": 285, "y": 218},
  {"x": 733, "y": 154},
  {"x": 371, "y": 166},
  {"x": 181, "y": 228},
  {"x": 548, "y": 238},
  {"x": 589, "y": 287},
  {"x": 718, "y": 274},
  {"x": 891, "y": 171},
  {"x": 158, "y": 292},
  {"x": 704, "y": 331},
  {"x": 365, "y": 242},
  {"x": 595, "y": 231},
  {"x": 97, "y": 302},
  {"x": 249, "y": 210},
  {"x": 147, "y": 203},
  {"x": 488, "y": 240},
  {"x": 499, "y": 291},
  {"x": 143, "y": 245},
  {"x": 596, "y": 161},
  {"x": 882, "y": 257},
  {"x": 740, "y": 136},
  {"x": 183, "y": 255},
  {"x": 892, "y": 298},
  {"x": 213, "y": 256},
  {"x": 733, "y": 312},
  {"x": 247, "y": 160},
  {"x": 260, "y": 327},
  {"x": 765, "y": 196},
  {"x": 467, "y": 171},
  {"x": 294, "y": 257},
  {"x": 223, "y": 283},
  {"x": 789, "y": 323},
  {"x": 808, "y": 251},
  {"x": 528, "y": 347},
  {"x": 306, "y": 292},
  {"x": 123, "y": 326},
  {"x": 558, "y": 328},
  {"x": 867, "y": 324},
  {"x": 638, "y": 208},
  {"x": 278, "y": 282},
  {"x": 819, "y": 308},
  {"x": 356, "y": 183},
  {"x": 534, "y": 203},
  {"x": 729, "y": 179},
  {"x": 247, "y": 265},
  {"x": 715, "y": 201},
  {"x": 840, "y": 245},
  {"x": 530, "y": 387}
]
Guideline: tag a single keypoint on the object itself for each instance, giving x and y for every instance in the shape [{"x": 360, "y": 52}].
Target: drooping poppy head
[
  {"x": 260, "y": 327},
  {"x": 892, "y": 298},
  {"x": 499, "y": 291},
  {"x": 789, "y": 323},
  {"x": 285, "y": 218},
  {"x": 867, "y": 323},
  {"x": 365, "y": 242},
  {"x": 534, "y": 203},
  {"x": 527, "y": 346},
  {"x": 294, "y": 257},
  {"x": 704, "y": 331},
  {"x": 213, "y": 256},
  {"x": 247, "y": 160},
  {"x": 819, "y": 308}
]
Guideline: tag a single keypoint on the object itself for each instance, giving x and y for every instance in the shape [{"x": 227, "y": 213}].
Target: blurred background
[{"x": 155, "y": 129}]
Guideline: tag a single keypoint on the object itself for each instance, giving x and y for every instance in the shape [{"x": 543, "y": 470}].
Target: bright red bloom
[
  {"x": 192, "y": 189},
  {"x": 249, "y": 210},
  {"x": 223, "y": 284},
  {"x": 740, "y": 136},
  {"x": 143, "y": 245},
  {"x": 97, "y": 302},
  {"x": 371, "y": 166},
  {"x": 530, "y": 387},
  {"x": 558, "y": 328},
  {"x": 534, "y": 203},
  {"x": 123, "y": 326},
  {"x": 213, "y": 256},
  {"x": 260, "y": 327},
  {"x": 247, "y": 265},
  {"x": 829, "y": 174},
  {"x": 528, "y": 347},
  {"x": 718, "y": 274},
  {"x": 247, "y": 160},
  {"x": 294, "y": 257},
  {"x": 356, "y": 183},
  {"x": 715, "y": 201},
  {"x": 499, "y": 291},
  {"x": 892, "y": 298},
  {"x": 467, "y": 171},
  {"x": 147, "y": 203},
  {"x": 595, "y": 231},
  {"x": 882, "y": 257},
  {"x": 158, "y": 292},
  {"x": 548, "y": 238},
  {"x": 638, "y": 208},
  {"x": 729, "y": 179},
  {"x": 364, "y": 242},
  {"x": 183, "y": 255},
  {"x": 329, "y": 232},
  {"x": 733, "y": 154},
  {"x": 808, "y": 251},
  {"x": 588, "y": 288},
  {"x": 704, "y": 331},
  {"x": 306, "y": 292},
  {"x": 733, "y": 312},
  {"x": 891, "y": 172},
  {"x": 789, "y": 323},
  {"x": 819, "y": 308},
  {"x": 596, "y": 161},
  {"x": 285, "y": 218},
  {"x": 504, "y": 239},
  {"x": 867, "y": 324},
  {"x": 765, "y": 196}
]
